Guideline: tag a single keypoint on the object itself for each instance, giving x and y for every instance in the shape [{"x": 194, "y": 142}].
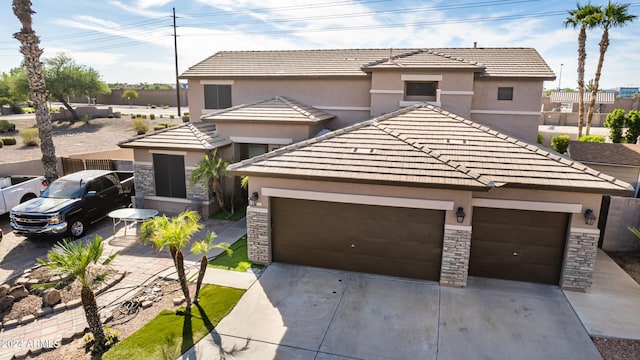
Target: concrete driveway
[{"x": 295, "y": 312}]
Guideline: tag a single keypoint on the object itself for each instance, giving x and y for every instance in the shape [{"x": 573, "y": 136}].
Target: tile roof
[
  {"x": 276, "y": 110},
  {"x": 424, "y": 145},
  {"x": 573, "y": 97},
  {"x": 190, "y": 136},
  {"x": 605, "y": 153},
  {"x": 497, "y": 62}
]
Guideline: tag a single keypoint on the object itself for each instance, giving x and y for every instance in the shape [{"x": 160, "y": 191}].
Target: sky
[{"x": 131, "y": 41}]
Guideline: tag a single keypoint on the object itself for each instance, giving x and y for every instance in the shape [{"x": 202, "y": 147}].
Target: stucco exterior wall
[{"x": 265, "y": 131}]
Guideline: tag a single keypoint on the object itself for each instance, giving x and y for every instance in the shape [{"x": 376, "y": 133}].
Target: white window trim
[
  {"x": 380, "y": 91},
  {"x": 404, "y": 103},
  {"x": 414, "y": 77},
  {"x": 259, "y": 140},
  {"x": 528, "y": 205},
  {"x": 506, "y": 112},
  {"x": 456, "y": 92},
  {"x": 358, "y": 199},
  {"x": 217, "y": 82},
  {"x": 342, "y": 108},
  {"x": 168, "y": 152}
]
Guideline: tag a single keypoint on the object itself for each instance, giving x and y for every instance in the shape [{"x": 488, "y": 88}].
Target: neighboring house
[
  {"x": 498, "y": 87},
  {"x": 621, "y": 161},
  {"x": 424, "y": 193},
  {"x": 628, "y": 92},
  {"x": 568, "y": 101}
]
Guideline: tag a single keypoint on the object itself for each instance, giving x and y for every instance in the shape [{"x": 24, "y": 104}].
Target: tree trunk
[
  {"x": 182, "y": 277},
  {"x": 217, "y": 188},
  {"x": 604, "y": 44},
  {"x": 74, "y": 114},
  {"x": 31, "y": 51},
  {"x": 582, "y": 58},
  {"x": 203, "y": 269},
  {"x": 93, "y": 317},
  {"x": 174, "y": 252}
]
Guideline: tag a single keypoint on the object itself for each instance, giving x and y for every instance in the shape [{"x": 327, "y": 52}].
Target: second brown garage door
[
  {"x": 374, "y": 239},
  {"x": 518, "y": 245}
]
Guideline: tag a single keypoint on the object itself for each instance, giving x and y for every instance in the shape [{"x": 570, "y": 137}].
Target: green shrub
[
  {"x": 172, "y": 117},
  {"x": 16, "y": 109},
  {"x": 159, "y": 127},
  {"x": 165, "y": 106},
  {"x": 152, "y": 116},
  {"x": 110, "y": 116},
  {"x": 29, "y": 136},
  {"x": 140, "y": 126},
  {"x": 1, "y": 143},
  {"x": 6, "y": 126},
  {"x": 560, "y": 143},
  {"x": 160, "y": 116},
  {"x": 540, "y": 138},
  {"x": 29, "y": 110},
  {"x": 9, "y": 140},
  {"x": 185, "y": 118},
  {"x": 632, "y": 121},
  {"x": 86, "y": 118},
  {"x": 592, "y": 138},
  {"x": 5, "y": 101},
  {"x": 615, "y": 122},
  {"x": 144, "y": 116}
]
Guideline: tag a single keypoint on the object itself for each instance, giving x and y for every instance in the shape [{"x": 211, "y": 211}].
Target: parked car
[
  {"x": 15, "y": 190},
  {"x": 73, "y": 202}
]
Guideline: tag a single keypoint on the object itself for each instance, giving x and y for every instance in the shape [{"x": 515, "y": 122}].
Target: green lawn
[
  {"x": 239, "y": 214},
  {"x": 171, "y": 333},
  {"x": 238, "y": 261}
]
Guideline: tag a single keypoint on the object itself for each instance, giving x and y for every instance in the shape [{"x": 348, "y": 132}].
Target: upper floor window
[
  {"x": 217, "y": 96},
  {"x": 505, "y": 93},
  {"x": 420, "y": 90}
]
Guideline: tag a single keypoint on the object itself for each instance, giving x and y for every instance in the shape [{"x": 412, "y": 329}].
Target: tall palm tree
[
  {"x": 585, "y": 17},
  {"x": 612, "y": 16},
  {"x": 31, "y": 51},
  {"x": 202, "y": 247},
  {"x": 80, "y": 261},
  {"x": 212, "y": 169},
  {"x": 174, "y": 234}
]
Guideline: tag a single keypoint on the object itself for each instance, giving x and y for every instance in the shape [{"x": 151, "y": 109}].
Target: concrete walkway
[
  {"x": 143, "y": 265},
  {"x": 611, "y": 306}
]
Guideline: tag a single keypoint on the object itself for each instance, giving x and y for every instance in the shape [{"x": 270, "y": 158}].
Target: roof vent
[
  {"x": 363, "y": 151},
  {"x": 456, "y": 141},
  {"x": 475, "y": 44}
]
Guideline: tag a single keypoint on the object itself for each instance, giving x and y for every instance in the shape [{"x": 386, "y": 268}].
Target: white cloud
[
  {"x": 152, "y": 3},
  {"x": 141, "y": 9}
]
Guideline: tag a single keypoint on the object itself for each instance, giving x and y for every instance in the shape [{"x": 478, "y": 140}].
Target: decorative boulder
[
  {"x": 50, "y": 297},
  {"x": 18, "y": 292},
  {"x": 6, "y": 302},
  {"x": 4, "y": 289}
]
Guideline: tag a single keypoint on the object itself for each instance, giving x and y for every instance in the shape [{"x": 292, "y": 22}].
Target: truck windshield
[{"x": 63, "y": 189}]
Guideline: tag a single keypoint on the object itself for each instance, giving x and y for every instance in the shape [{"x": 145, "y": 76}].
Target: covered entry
[
  {"x": 384, "y": 240},
  {"x": 518, "y": 244}
]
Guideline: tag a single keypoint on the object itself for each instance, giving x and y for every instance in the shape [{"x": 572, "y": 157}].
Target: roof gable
[
  {"x": 276, "y": 110},
  {"x": 423, "y": 145},
  {"x": 190, "y": 136},
  {"x": 423, "y": 59}
]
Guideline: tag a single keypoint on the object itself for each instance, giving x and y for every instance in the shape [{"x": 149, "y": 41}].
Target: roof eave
[{"x": 588, "y": 190}]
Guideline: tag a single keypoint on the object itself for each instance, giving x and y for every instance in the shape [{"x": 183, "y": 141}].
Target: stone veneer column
[
  {"x": 258, "y": 235},
  {"x": 580, "y": 260},
  {"x": 144, "y": 179},
  {"x": 455, "y": 255}
]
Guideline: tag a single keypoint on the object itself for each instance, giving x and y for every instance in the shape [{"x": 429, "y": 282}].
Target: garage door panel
[
  {"x": 518, "y": 245},
  {"x": 376, "y": 239}
]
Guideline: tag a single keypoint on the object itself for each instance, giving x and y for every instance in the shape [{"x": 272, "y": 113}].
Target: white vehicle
[{"x": 15, "y": 190}]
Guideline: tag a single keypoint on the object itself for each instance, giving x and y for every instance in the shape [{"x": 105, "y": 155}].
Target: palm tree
[
  {"x": 212, "y": 169},
  {"x": 614, "y": 15},
  {"x": 174, "y": 234},
  {"x": 31, "y": 51},
  {"x": 202, "y": 247},
  {"x": 585, "y": 17},
  {"x": 80, "y": 261}
]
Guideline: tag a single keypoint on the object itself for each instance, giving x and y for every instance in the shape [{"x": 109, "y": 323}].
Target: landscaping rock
[
  {"x": 6, "y": 302},
  {"x": 50, "y": 297},
  {"x": 4, "y": 290},
  {"x": 145, "y": 304},
  {"x": 18, "y": 292},
  {"x": 177, "y": 301}
]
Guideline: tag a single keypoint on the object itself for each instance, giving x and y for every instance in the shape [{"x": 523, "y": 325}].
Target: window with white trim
[
  {"x": 420, "y": 90},
  {"x": 217, "y": 96}
]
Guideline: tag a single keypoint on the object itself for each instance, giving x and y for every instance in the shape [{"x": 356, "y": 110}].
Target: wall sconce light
[
  {"x": 460, "y": 214},
  {"x": 589, "y": 217},
  {"x": 253, "y": 198}
]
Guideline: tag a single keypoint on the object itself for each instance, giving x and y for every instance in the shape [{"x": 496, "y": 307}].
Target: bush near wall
[
  {"x": 560, "y": 143},
  {"x": 592, "y": 138}
]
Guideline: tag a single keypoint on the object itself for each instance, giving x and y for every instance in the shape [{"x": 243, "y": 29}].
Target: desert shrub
[
  {"x": 85, "y": 118},
  {"x": 9, "y": 140},
  {"x": 172, "y": 117},
  {"x": 615, "y": 122},
  {"x": 540, "y": 138},
  {"x": 5, "y": 101},
  {"x": 29, "y": 136},
  {"x": 29, "y": 110},
  {"x": 165, "y": 106},
  {"x": 1, "y": 143},
  {"x": 140, "y": 126},
  {"x": 560, "y": 143},
  {"x": 632, "y": 121},
  {"x": 159, "y": 127},
  {"x": 185, "y": 118},
  {"x": 7, "y": 126},
  {"x": 152, "y": 116},
  {"x": 144, "y": 116},
  {"x": 592, "y": 138}
]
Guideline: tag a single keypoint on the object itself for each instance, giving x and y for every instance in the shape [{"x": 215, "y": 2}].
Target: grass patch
[
  {"x": 238, "y": 261},
  {"x": 239, "y": 214},
  {"x": 171, "y": 333}
]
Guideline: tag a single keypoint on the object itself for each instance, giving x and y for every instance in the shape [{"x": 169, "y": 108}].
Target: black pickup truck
[{"x": 72, "y": 202}]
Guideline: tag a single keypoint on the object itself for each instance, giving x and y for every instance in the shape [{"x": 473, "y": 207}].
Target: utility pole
[
  {"x": 175, "y": 49},
  {"x": 560, "y": 78}
]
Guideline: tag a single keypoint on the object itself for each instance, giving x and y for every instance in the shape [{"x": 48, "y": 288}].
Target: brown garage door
[
  {"x": 518, "y": 245},
  {"x": 373, "y": 239}
]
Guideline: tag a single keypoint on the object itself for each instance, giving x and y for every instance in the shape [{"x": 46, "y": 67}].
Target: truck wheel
[
  {"x": 77, "y": 228},
  {"x": 27, "y": 197}
]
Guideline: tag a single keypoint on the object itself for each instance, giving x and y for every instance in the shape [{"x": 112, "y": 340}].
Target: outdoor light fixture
[
  {"x": 589, "y": 217},
  {"x": 253, "y": 198},
  {"x": 460, "y": 214}
]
